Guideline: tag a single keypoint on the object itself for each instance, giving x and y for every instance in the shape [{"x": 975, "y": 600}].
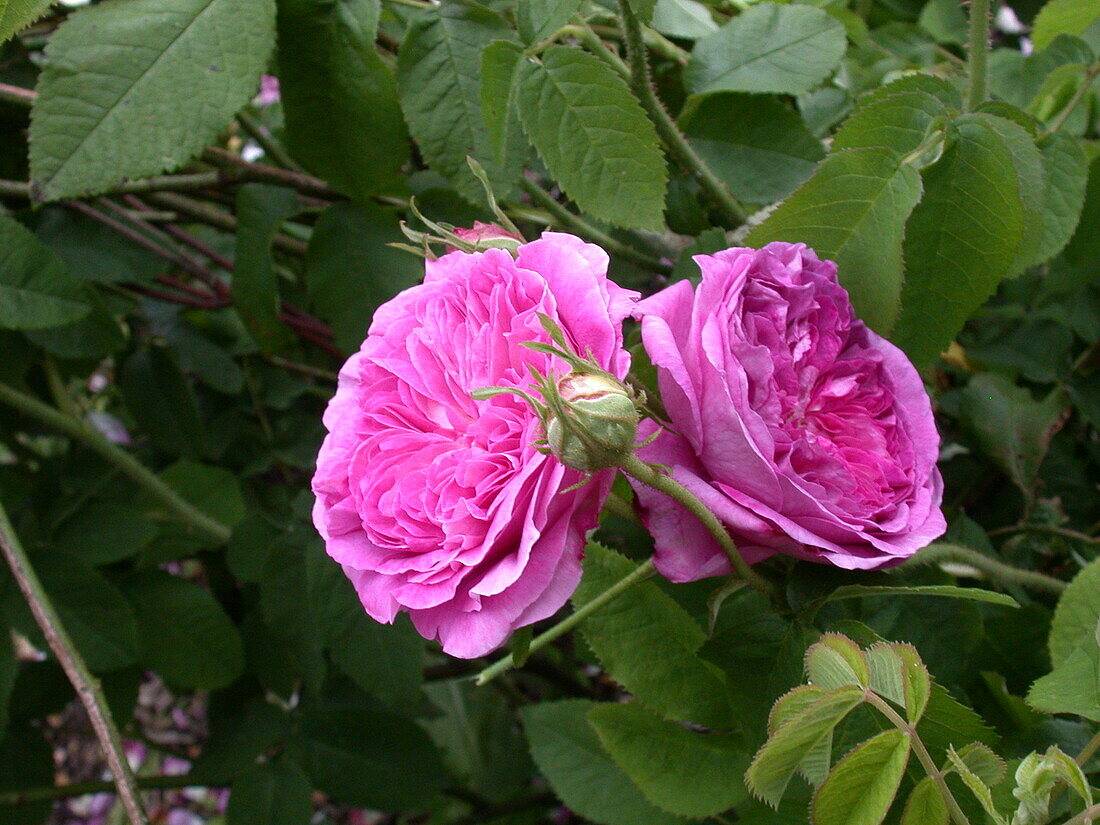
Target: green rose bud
[{"x": 598, "y": 423}]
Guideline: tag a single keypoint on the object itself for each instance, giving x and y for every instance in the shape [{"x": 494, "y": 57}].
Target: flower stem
[
  {"x": 999, "y": 571},
  {"x": 125, "y": 462},
  {"x": 639, "y": 470},
  {"x": 87, "y": 688},
  {"x": 978, "y": 56},
  {"x": 643, "y": 572},
  {"x": 677, "y": 144},
  {"x": 923, "y": 756}
]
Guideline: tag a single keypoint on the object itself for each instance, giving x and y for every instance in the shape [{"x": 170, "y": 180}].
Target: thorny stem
[
  {"x": 640, "y": 471},
  {"x": 87, "y": 687},
  {"x": 999, "y": 571},
  {"x": 978, "y": 56},
  {"x": 643, "y": 572},
  {"x": 923, "y": 756},
  {"x": 677, "y": 144},
  {"x": 125, "y": 462}
]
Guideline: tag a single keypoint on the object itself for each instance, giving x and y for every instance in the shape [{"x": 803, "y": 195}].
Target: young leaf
[
  {"x": 593, "y": 136},
  {"x": 861, "y": 787},
  {"x": 977, "y": 786},
  {"x": 925, "y": 805},
  {"x": 17, "y": 14},
  {"x": 898, "y": 116},
  {"x": 815, "y": 766},
  {"x": 768, "y": 48},
  {"x": 679, "y": 770},
  {"x": 36, "y": 290},
  {"x": 982, "y": 762},
  {"x": 1069, "y": 772},
  {"x": 835, "y": 661},
  {"x": 169, "y": 75},
  {"x": 1073, "y": 686},
  {"x": 775, "y": 763},
  {"x": 648, "y": 644},
  {"x": 898, "y": 674}
]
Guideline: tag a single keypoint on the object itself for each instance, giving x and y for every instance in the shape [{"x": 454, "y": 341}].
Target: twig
[
  {"x": 220, "y": 219},
  {"x": 73, "y": 789},
  {"x": 272, "y": 148},
  {"x": 87, "y": 687},
  {"x": 16, "y": 94},
  {"x": 304, "y": 369},
  {"x": 263, "y": 173}
]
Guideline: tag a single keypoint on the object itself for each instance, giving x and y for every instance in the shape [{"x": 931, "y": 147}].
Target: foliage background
[{"x": 184, "y": 264}]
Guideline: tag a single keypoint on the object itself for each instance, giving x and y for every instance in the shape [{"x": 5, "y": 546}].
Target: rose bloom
[
  {"x": 800, "y": 428},
  {"x": 440, "y": 505}
]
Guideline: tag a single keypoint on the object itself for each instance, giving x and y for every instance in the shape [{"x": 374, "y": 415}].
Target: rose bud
[{"x": 598, "y": 423}]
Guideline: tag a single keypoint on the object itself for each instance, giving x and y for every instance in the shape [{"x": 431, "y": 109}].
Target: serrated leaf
[
  {"x": 768, "y": 48},
  {"x": 917, "y": 684},
  {"x": 498, "y": 98},
  {"x": 18, "y": 14},
  {"x": 835, "y": 661},
  {"x": 1065, "y": 167},
  {"x": 853, "y": 211},
  {"x": 569, "y": 754},
  {"x": 594, "y": 137},
  {"x": 775, "y": 763},
  {"x": 757, "y": 145},
  {"x": 1076, "y": 17},
  {"x": 979, "y": 221},
  {"x": 537, "y": 19},
  {"x": 438, "y": 77},
  {"x": 974, "y": 594},
  {"x": 36, "y": 290},
  {"x": 648, "y": 644},
  {"x": 684, "y": 772},
  {"x": 133, "y": 121},
  {"x": 861, "y": 787},
  {"x": 273, "y": 793},
  {"x": 1069, "y": 772},
  {"x": 815, "y": 766},
  {"x": 982, "y": 762},
  {"x": 898, "y": 115},
  {"x": 898, "y": 674},
  {"x": 925, "y": 805},
  {"x": 976, "y": 785},
  {"x": 685, "y": 19},
  {"x": 343, "y": 121},
  {"x": 1075, "y": 617},
  {"x": 1072, "y": 687}
]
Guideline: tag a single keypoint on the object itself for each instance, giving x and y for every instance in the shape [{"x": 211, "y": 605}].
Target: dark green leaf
[
  {"x": 899, "y": 115},
  {"x": 160, "y": 400},
  {"x": 1065, "y": 168},
  {"x": 214, "y": 490},
  {"x": 498, "y": 98},
  {"x": 36, "y": 290},
  {"x": 274, "y": 793},
  {"x": 237, "y": 740},
  {"x": 974, "y": 594},
  {"x": 261, "y": 210},
  {"x": 1074, "y": 622},
  {"x": 102, "y": 532},
  {"x": 537, "y": 19}
]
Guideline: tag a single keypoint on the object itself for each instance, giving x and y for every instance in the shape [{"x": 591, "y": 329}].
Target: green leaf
[
  {"x": 36, "y": 290},
  {"x": 974, "y": 594},
  {"x": 976, "y": 785},
  {"x": 160, "y": 400},
  {"x": 925, "y": 805},
  {"x": 570, "y": 756},
  {"x": 684, "y": 19},
  {"x": 1077, "y": 17},
  {"x": 238, "y": 739},
  {"x": 594, "y": 137},
  {"x": 861, "y": 787},
  {"x": 1065, "y": 167},
  {"x": 898, "y": 674},
  {"x": 1069, "y": 772},
  {"x": 343, "y": 121},
  {"x": 853, "y": 211},
  {"x": 93, "y": 251},
  {"x": 370, "y": 758},
  {"x": 982, "y": 762},
  {"x": 775, "y": 763},
  {"x": 1075, "y": 618},
  {"x": 768, "y": 48},
  {"x": 979, "y": 222},
  {"x": 438, "y": 76},
  {"x": 1073, "y": 686},
  {"x": 350, "y": 271},
  {"x": 135, "y": 120},
  {"x": 103, "y": 532},
  {"x": 261, "y": 210},
  {"x": 274, "y": 793},
  {"x": 185, "y": 635},
  {"x": 1012, "y": 429},
  {"x": 648, "y": 643},
  {"x": 681, "y": 771},
  {"x": 1082, "y": 253},
  {"x": 836, "y": 661},
  {"x": 214, "y": 490},
  {"x": 945, "y": 20},
  {"x": 537, "y": 19},
  {"x": 17, "y": 14},
  {"x": 899, "y": 115},
  {"x": 816, "y": 764},
  {"x": 757, "y": 145},
  {"x": 498, "y": 99}
]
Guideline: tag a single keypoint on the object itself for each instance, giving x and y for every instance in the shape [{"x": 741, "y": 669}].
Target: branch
[
  {"x": 52, "y": 793},
  {"x": 87, "y": 687}
]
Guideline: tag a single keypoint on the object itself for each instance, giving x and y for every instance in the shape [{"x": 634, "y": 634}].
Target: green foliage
[
  {"x": 862, "y": 785},
  {"x": 15, "y": 14},
  {"x": 260, "y": 212},
  {"x": 277, "y": 793},
  {"x": 36, "y": 290}
]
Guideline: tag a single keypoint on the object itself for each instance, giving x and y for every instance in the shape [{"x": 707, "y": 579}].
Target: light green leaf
[
  {"x": 816, "y": 764},
  {"x": 185, "y": 635},
  {"x": 861, "y": 787},
  {"x": 570, "y": 756},
  {"x": 982, "y": 762},
  {"x": 899, "y": 115},
  {"x": 594, "y": 137},
  {"x": 648, "y": 644},
  {"x": 272, "y": 793},
  {"x": 853, "y": 211},
  {"x": 438, "y": 76},
  {"x": 1076, "y": 17},
  {"x": 36, "y": 290},
  {"x": 898, "y": 674},
  {"x": 684, "y": 19},
  {"x": 1075, "y": 618},
  {"x": 1073, "y": 686},
  {"x": 768, "y": 48},
  {"x": 976, "y": 785},
  {"x": 757, "y": 145},
  {"x": 925, "y": 805},
  {"x": 343, "y": 121},
  {"x": 974, "y": 594},
  {"x": 537, "y": 19},
  {"x": 133, "y": 120},
  {"x": 18, "y": 14},
  {"x": 681, "y": 771},
  {"x": 775, "y": 763},
  {"x": 261, "y": 210},
  {"x": 1065, "y": 167},
  {"x": 836, "y": 661},
  {"x": 979, "y": 222}
]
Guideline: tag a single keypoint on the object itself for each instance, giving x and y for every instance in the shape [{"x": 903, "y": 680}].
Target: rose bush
[
  {"x": 804, "y": 431},
  {"x": 440, "y": 505}
]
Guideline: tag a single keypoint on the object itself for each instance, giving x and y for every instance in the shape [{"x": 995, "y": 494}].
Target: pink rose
[
  {"x": 804, "y": 431},
  {"x": 437, "y": 504}
]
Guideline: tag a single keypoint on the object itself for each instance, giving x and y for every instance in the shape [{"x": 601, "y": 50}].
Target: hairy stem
[
  {"x": 1048, "y": 529},
  {"x": 677, "y": 144},
  {"x": 978, "y": 56},
  {"x": 130, "y": 466},
  {"x": 87, "y": 687},
  {"x": 1086, "y": 752},
  {"x": 639, "y": 470},
  {"x": 996, "y": 570},
  {"x": 643, "y": 572}
]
